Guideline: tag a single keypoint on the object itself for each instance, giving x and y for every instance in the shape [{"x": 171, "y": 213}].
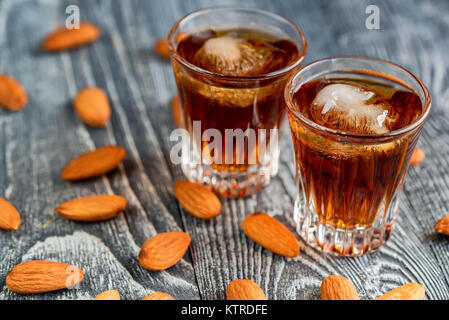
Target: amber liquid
[
  {"x": 349, "y": 183},
  {"x": 243, "y": 105}
]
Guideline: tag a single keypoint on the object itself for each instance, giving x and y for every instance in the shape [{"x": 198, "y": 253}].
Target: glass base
[{"x": 341, "y": 242}]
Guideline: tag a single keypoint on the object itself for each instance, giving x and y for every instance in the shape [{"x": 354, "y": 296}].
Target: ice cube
[
  {"x": 233, "y": 56},
  {"x": 351, "y": 109}
]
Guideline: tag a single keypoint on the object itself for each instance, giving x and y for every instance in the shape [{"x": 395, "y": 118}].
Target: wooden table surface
[{"x": 36, "y": 143}]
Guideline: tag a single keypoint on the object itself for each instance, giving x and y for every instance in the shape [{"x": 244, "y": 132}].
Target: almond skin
[
  {"x": 176, "y": 111},
  {"x": 42, "y": 276},
  {"x": 161, "y": 48},
  {"x": 338, "y": 288},
  {"x": 164, "y": 250},
  {"x": 197, "y": 199},
  {"x": 92, "y": 208},
  {"x": 66, "y": 39},
  {"x": 108, "y": 295},
  {"x": 271, "y": 234},
  {"x": 12, "y": 95},
  {"x": 244, "y": 289},
  {"x": 442, "y": 226},
  {"x": 9, "y": 216},
  {"x": 409, "y": 291},
  {"x": 93, "y": 163},
  {"x": 92, "y": 106},
  {"x": 159, "y": 296},
  {"x": 418, "y": 156}
]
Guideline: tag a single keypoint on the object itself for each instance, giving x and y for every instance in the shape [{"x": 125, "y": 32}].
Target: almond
[
  {"x": 93, "y": 163},
  {"x": 159, "y": 296},
  {"x": 93, "y": 208},
  {"x": 108, "y": 295},
  {"x": 338, "y": 288},
  {"x": 65, "y": 39},
  {"x": 409, "y": 291},
  {"x": 271, "y": 234},
  {"x": 418, "y": 156},
  {"x": 42, "y": 276},
  {"x": 161, "y": 48},
  {"x": 9, "y": 216},
  {"x": 92, "y": 106},
  {"x": 442, "y": 226},
  {"x": 197, "y": 199},
  {"x": 176, "y": 111},
  {"x": 12, "y": 95},
  {"x": 244, "y": 289},
  {"x": 164, "y": 250}
]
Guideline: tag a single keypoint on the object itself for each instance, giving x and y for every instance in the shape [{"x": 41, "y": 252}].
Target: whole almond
[
  {"x": 159, "y": 296},
  {"x": 442, "y": 226},
  {"x": 39, "y": 276},
  {"x": 197, "y": 199},
  {"x": 271, "y": 234},
  {"x": 93, "y": 163},
  {"x": 409, "y": 291},
  {"x": 161, "y": 48},
  {"x": 176, "y": 111},
  {"x": 244, "y": 289},
  {"x": 338, "y": 288},
  {"x": 12, "y": 95},
  {"x": 65, "y": 39},
  {"x": 92, "y": 208},
  {"x": 9, "y": 216},
  {"x": 108, "y": 295},
  {"x": 164, "y": 250},
  {"x": 92, "y": 106},
  {"x": 418, "y": 156}
]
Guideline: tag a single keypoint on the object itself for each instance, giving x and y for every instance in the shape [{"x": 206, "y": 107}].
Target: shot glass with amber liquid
[
  {"x": 355, "y": 122},
  {"x": 231, "y": 67}
]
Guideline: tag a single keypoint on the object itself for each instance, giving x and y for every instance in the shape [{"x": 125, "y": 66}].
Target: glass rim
[
  {"x": 172, "y": 45},
  {"x": 288, "y": 94}
]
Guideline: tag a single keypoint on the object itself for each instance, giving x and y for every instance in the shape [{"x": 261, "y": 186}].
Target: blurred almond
[
  {"x": 244, "y": 289},
  {"x": 9, "y": 216},
  {"x": 161, "y": 48},
  {"x": 338, "y": 288},
  {"x": 12, "y": 95},
  {"x": 197, "y": 199},
  {"x": 164, "y": 250},
  {"x": 442, "y": 226},
  {"x": 93, "y": 163},
  {"x": 39, "y": 276},
  {"x": 92, "y": 208},
  {"x": 418, "y": 156},
  {"x": 65, "y": 39},
  {"x": 92, "y": 106},
  {"x": 409, "y": 291},
  {"x": 271, "y": 234},
  {"x": 108, "y": 295},
  {"x": 176, "y": 111},
  {"x": 159, "y": 296}
]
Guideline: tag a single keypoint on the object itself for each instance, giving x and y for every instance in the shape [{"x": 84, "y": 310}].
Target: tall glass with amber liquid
[
  {"x": 355, "y": 123},
  {"x": 231, "y": 67}
]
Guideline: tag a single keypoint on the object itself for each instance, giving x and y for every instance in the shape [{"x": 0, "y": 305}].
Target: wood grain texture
[{"x": 37, "y": 142}]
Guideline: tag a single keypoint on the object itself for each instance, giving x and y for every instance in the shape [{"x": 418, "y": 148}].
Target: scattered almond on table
[
  {"x": 164, "y": 250},
  {"x": 244, "y": 289},
  {"x": 12, "y": 95},
  {"x": 337, "y": 287},
  {"x": 442, "y": 226},
  {"x": 92, "y": 208},
  {"x": 39, "y": 276},
  {"x": 418, "y": 156},
  {"x": 159, "y": 296},
  {"x": 92, "y": 106},
  {"x": 93, "y": 163},
  {"x": 64, "y": 39},
  {"x": 409, "y": 291},
  {"x": 197, "y": 199},
  {"x": 271, "y": 234},
  {"x": 108, "y": 295},
  {"x": 9, "y": 216},
  {"x": 161, "y": 48}
]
